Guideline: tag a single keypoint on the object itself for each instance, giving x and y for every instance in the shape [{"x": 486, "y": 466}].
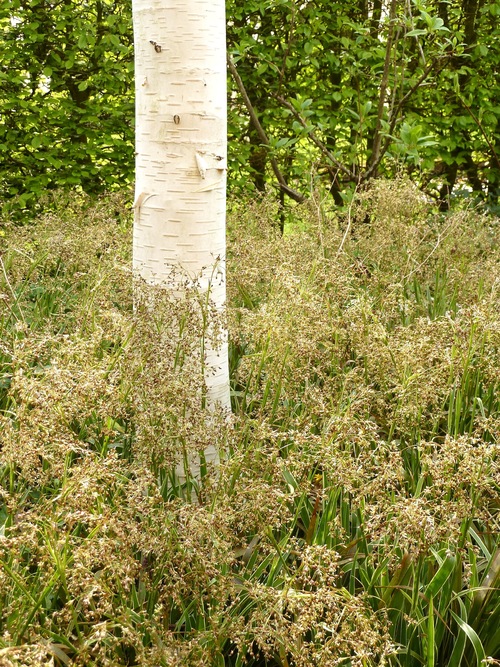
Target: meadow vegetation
[{"x": 354, "y": 517}]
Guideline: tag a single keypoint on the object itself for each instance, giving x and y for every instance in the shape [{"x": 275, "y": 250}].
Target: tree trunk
[{"x": 180, "y": 202}]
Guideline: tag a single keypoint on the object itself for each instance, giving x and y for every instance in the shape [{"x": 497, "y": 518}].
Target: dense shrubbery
[
  {"x": 66, "y": 99},
  {"x": 354, "y": 520},
  {"x": 342, "y": 91}
]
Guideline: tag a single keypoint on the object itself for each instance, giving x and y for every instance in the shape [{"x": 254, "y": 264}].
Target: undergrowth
[{"x": 353, "y": 519}]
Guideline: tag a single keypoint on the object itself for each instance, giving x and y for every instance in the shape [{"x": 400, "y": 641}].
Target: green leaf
[
  {"x": 436, "y": 23},
  {"x": 55, "y": 162},
  {"x": 36, "y": 142},
  {"x": 281, "y": 142},
  {"x": 458, "y": 650},
  {"x": 472, "y": 636},
  {"x": 431, "y": 647},
  {"x": 440, "y": 578}
]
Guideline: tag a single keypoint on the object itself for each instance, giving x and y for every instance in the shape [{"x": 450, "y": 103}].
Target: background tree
[
  {"x": 354, "y": 91},
  {"x": 342, "y": 92}
]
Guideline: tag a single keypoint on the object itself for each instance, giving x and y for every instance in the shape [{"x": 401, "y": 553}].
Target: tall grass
[{"x": 353, "y": 519}]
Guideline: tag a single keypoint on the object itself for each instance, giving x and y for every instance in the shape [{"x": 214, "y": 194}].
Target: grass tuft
[{"x": 353, "y": 519}]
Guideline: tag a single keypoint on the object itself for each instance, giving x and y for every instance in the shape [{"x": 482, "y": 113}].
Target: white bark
[{"x": 180, "y": 71}]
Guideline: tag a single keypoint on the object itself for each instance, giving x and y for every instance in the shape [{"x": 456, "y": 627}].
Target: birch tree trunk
[{"x": 181, "y": 137}]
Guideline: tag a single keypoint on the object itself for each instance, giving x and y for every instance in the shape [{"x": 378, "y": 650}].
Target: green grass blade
[
  {"x": 441, "y": 577},
  {"x": 472, "y": 636},
  {"x": 431, "y": 646}
]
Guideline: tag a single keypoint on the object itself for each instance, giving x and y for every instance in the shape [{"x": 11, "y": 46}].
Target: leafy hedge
[{"x": 321, "y": 94}]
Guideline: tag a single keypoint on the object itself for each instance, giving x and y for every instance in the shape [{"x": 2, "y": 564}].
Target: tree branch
[
  {"x": 293, "y": 194},
  {"x": 377, "y": 140},
  {"x": 315, "y": 139},
  {"x": 394, "y": 113},
  {"x": 480, "y": 126}
]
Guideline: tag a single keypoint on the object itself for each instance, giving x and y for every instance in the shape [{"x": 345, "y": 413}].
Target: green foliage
[
  {"x": 344, "y": 92},
  {"x": 348, "y": 91},
  {"x": 354, "y": 516},
  {"x": 66, "y": 98}
]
